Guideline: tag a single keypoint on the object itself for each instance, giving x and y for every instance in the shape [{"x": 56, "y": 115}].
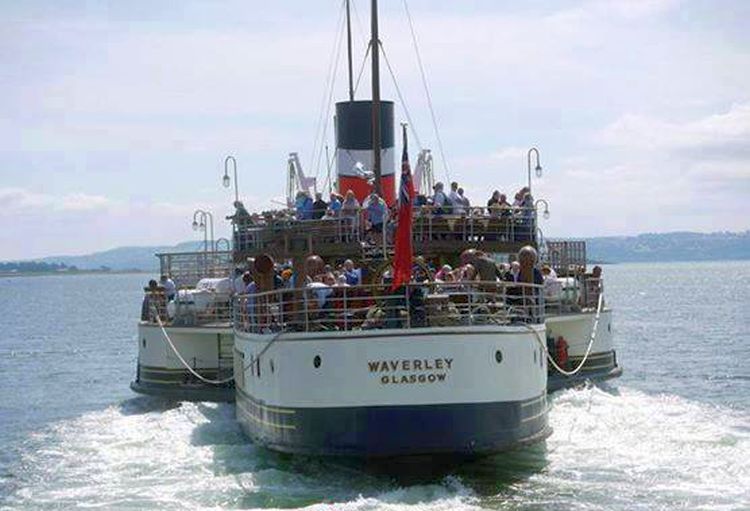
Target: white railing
[
  {"x": 573, "y": 295},
  {"x": 373, "y": 307},
  {"x": 187, "y": 268},
  {"x": 187, "y": 309},
  {"x": 476, "y": 224}
]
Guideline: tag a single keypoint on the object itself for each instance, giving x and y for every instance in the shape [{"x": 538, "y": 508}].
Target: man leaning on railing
[{"x": 529, "y": 299}]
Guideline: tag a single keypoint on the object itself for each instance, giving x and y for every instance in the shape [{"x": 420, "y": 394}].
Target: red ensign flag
[{"x": 402, "y": 260}]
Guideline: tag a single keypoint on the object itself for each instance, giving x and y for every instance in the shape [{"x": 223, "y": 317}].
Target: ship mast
[
  {"x": 375, "y": 47},
  {"x": 349, "y": 50}
]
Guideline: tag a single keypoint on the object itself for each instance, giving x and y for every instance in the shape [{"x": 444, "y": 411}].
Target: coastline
[{"x": 73, "y": 273}]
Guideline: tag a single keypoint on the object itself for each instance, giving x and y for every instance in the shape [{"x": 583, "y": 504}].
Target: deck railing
[
  {"x": 473, "y": 225},
  {"x": 372, "y": 307},
  {"x": 577, "y": 294},
  {"x": 566, "y": 257},
  {"x": 187, "y": 268},
  {"x": 187, "y": 309}
]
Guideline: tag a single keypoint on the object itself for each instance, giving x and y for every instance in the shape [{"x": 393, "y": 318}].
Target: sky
[{"x": 116, "y": 117}]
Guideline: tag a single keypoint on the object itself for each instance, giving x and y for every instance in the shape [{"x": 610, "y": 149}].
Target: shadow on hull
[
  {"x": 559, "y": 381},
  {"x": 185, "y": 392}
]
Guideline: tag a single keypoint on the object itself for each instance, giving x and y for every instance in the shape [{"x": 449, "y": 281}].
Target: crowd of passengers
[
  {"x": 377, "y": 220},
  {"x": 375, "y": 210},
  {"x": 326, "y": 282},
  {"x": 326, "y": 285}
]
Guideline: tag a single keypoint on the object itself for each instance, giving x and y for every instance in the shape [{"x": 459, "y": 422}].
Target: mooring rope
[
  {"x": 588, "y": 349},
  {"x": 182, "y": 360},
  {"x": 262, "y": 352}
]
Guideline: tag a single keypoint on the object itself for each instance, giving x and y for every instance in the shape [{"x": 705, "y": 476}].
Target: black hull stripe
[
  {"x": 197, "y": 393},
  {"x": 387, "y": 431}
]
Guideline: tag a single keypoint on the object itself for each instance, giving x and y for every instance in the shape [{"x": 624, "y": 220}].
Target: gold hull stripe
[
  {"x": 543, "y": 412},
  {"x": 272, "y": 409},
  {"x": 535, "y": 401},
  {"x": 257, "y": 419}
]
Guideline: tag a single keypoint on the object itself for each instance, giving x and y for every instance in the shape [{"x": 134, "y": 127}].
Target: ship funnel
[{"x": 354, "y": 155}]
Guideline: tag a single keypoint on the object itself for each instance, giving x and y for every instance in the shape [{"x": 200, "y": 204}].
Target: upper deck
[{"x": 282, "y": 236}]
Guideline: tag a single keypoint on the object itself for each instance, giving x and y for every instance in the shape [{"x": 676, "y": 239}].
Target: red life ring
[{"x": 561, "y": 351}]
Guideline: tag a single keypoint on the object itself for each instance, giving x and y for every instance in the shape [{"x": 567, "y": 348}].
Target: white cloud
[
  {"x": 79, "y": 223},
  {"x": 729, "y": 130},
  {"x": 147, "y": 105},
  {"x": 19, "y": 200}
]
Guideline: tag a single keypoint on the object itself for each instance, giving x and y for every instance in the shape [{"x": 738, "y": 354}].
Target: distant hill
[
  {"x": 23, "y": 267},
  {"x": 124, "y": 258},
  {"x": 673, "y": 246}
]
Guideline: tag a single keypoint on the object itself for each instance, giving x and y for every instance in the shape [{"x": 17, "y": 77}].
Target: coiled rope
[
  {"x": 182, "y": 360},
  {"x": 588, "y": 349}
]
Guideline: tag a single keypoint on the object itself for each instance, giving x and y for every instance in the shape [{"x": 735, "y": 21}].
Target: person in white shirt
[
  {"x": 238, "y": 284},
  {"x": 464, "y": 201},
  {"x": 169, "y": 287},
  {"x": 552, "y": 287},
  {"x": 454, "y": 199},
  {"x": 439, "y": 200}
]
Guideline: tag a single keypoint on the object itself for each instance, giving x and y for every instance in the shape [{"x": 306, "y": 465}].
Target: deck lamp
[
  {"x": 226, "y": 180},
  {"x": 538, "y": 167},
  {"x": 545, "y": 213},
  {"x": 204, "y": 221}
]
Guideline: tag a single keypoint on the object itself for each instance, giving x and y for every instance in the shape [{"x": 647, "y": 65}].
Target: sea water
[{"x": 672, "y": 433}]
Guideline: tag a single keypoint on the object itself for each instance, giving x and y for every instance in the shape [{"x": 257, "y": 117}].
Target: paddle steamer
[
  {"x": 379, "y": 369},
  {"x": 185, "y": 342},
  {"x": 369, "y": 371}
]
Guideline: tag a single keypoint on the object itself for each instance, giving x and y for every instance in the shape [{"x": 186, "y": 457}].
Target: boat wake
[{"x": 619, "y": 449}]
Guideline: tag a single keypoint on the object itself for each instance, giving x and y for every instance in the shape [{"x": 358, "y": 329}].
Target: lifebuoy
[{"x": 561, "y": 352}]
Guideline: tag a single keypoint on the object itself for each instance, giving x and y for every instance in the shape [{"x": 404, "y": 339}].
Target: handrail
[
  {"x": 476, "y": 224},
  {"x": 187, "y": 268},
  {"x": 376, "y": 306},
  {"x": 188, "y": 309},
  {"x": 574, "y": 295}
]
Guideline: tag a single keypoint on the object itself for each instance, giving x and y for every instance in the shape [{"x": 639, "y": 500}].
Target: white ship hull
[
  {"x": 208, "y": 351},
  {"x": 386, "y": 393},
  {"x": 576, "y": 329}
]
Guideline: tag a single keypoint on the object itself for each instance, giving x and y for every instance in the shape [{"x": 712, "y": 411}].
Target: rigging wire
[
  {"x": 401, "y": 98},
  {"x": 328, "y": 108},
  {"x": 393, "y": 77},
  {"x": 333, "y": 62},
  {"x": 427, "y": 91},
  {"x": 362, "y": 69}
]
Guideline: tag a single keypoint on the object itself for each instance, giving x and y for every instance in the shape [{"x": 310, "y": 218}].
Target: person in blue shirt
[
  {"x": 353, "y": 276},
  {"x": 303, "y": 205},
  {"x": 299, "y": 206},
  {"x": 335, "y": 204},
  {"x": 375, "y": 210},
  {"x": 308, "y": 207}
]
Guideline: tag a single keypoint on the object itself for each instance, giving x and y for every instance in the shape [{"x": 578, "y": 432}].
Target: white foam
[
  {"x": 626, "y": 451},
  {"x": 642, "y": 451}
]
